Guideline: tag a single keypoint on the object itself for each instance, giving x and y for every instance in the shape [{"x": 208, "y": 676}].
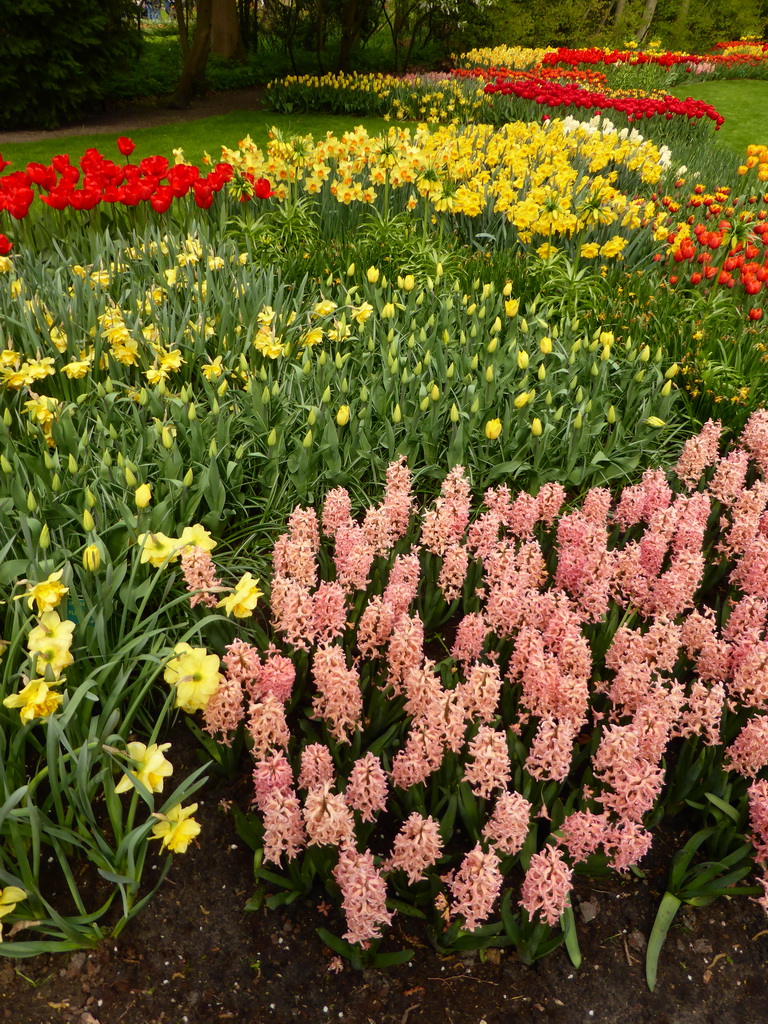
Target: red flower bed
[
  {"x": 718, "y": 251},
  {"x": 61, "y": 185},
  {"x": 594, "y": 55},
  {"x": 552, "y": 94}
]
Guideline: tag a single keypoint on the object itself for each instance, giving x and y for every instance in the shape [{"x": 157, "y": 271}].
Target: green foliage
[{"x": 56, "y": 58}]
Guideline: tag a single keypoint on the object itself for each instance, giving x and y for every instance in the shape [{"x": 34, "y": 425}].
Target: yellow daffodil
[
  {"x": 150, "y": 767},
  {"x": 176, "y": 828},
  {"x": 46, "y": 595},
  {"x": 196, "y": 536},
  {"x": 9, "y": 897},
  {"x": 243, "y": 598},
  {"x": 195, "y": 674},
  {"x": 36, "y": 700},
  {"x": 51, "y": 640},
  {"x": 157, "y": 549}
]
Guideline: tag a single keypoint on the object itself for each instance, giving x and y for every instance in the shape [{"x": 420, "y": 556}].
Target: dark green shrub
[{"x": 57, "y": 57}]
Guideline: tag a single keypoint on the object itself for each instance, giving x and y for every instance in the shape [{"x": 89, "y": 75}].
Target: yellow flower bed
[{"x": 558, "y": 178}]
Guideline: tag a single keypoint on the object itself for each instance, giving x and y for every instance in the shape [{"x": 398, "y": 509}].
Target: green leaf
[
  {"x": 668, "y": 907},
  {"x": 401, "y": 956},
  {"x": 568, "y": 923}
]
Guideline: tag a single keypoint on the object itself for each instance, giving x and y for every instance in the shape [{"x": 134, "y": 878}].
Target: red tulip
[
  {"x": 125, "y": 145},
  {"x": 755, "y": 313},
  {"x": 5, "y": 246}
]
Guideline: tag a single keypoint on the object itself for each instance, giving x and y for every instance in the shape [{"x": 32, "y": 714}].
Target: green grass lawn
[
  {"x": 743, "y": 104},
  {"x": 194, "y": 137}
]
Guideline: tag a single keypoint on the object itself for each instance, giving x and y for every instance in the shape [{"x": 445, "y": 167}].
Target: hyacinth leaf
[
  {"x": 400, "y": 956},
  {"x": 406, "y": 908},
  {"x": 345, "y": 949},
  {"x": 725, "y": 807},
  {"x": 668, "y": 907},
  {"x": 568, "y": 923}
]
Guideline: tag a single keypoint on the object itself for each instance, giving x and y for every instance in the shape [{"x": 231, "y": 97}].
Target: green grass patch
[
  {"x": 743, "y": 104},
  {"x": 207, "y": 134}
]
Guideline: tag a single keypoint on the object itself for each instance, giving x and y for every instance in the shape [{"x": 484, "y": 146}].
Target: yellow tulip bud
[
  {"x": 312, "y": 418},
  {"x": 434, "y": 394},
  {"x": 91, "y": 558},
  {"x": 351, "y": 270},
  {"x": 44, "y": 540},
  {"x": 475, "y": 406},
  {"x": 142, "y": 496},
  {"x": 342, "y": 416},
  {"x": 645, "y": 353},
  {"x": 521, "y": 401},
  {"x": 307, "y": 442},
  {"x": 605, "y": 355},
  {"x": 166, "y": 438},
  {"x": 56, "y": 483},
  {"x": 130, "y": 477},
  {"x": 372, "y": 274},
  {"x": 639, "y": 376},
  {"x": 672, "y": 371},
  {"x": 577, "y": 421},
  {"x": 489, "y": 373},
  {"x": 5, "y": 465},
  {"x": 213, "y": 448},
  {"x": 424, "y": 403},
  {"x": 507, "y": 290},
  {"x": 545, "y": 346},
  {"x": 191, "y": 412},
  {"x": 536, "y": 427},
  {"x": 606, "y": 338},
  {"x": 326, "y": 396},
  {"x": 397, "y": 415},
  {"x": 272, "y": 438},
  {"x": 654, "y": 421},
  {"x": 492, "y": 429},
  {"x": 542, "y": 372},
  {"x": 88, "y": 523},
  {"x": 454, "y": 414},
  {"x": 189, "y": 477},
  {"x": 611, "y": 415},
  {"x": 409, "y": 282},
  {"x": 496, "y": 325},
  {"x": 72, "y": 464},
  {"x": 522, "y": 359},
  {"x": 667, "y": 388}
]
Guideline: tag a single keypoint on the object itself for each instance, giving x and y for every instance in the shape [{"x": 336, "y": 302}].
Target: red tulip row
[
  {"x": 594, "y": 55},
  {"x": 576, "y": 75},
  {"x": 153, "y": 180},
  {"x": 552, "y": 94}
]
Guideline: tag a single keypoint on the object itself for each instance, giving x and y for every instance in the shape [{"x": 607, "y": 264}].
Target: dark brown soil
[{"x": 195, "y": 956}]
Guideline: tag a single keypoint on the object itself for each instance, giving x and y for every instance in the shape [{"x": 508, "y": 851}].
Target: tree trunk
[
  {"x": 226, "y": 40},
  {"x": 645, "y": 23},
  {"x": 352, "y": 16},
  {"x": 181, "y": 21},
  {"x": 193, "y": 72}
]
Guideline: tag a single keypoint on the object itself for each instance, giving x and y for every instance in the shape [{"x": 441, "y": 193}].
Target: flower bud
[
  {"x": 577, "y": 421},
  {"x": 454, "y": 414},
  {"x": 326, "y": 396},
  {"x": 654, "y": 421},
  {"x": 493, "y": 429},
  {"x": 142, "y": 496},
  {"x": 272, "y": 438},
  {"x": 666, "y": 388},
  {"x": 342, "y": 416},
  {"x": 5, "y": 465},
  {"x": 166, "y": 438},
  {"x": 409, "y": 282},
  {"x": 307, "y": 442},
  {"x": 545, "y": 346},
  {"x": 72, "y": 463},
  {"x": 44, "y": 540},
  {"x": 645, "y": 353},
  {"x": 424, "y": 403},
  {"x": 672, "y": 371},
  {"x": 611, "y": 415},
  {"x": 213, "y": 448},
  {"x": 351, "y": 270},
  {"x": 372, "y": 274},
  {"x": 397, "y": 415},
  {"x": 91, "y": 558},
  {"x": 522, "y": 359},
  {"x": 189, "y": 477},
  {"x": 475, "y": 406},
  {"x": 88, "y": 523},
  {"x": 130, "y": 477},
  {"x": 536, "y": 427},
  {"x": 489, "y": 373},
  {"x": 434, "y": 394},
  {"x": 56, "y": 483},
  {"x": 191, "y": 412},
  {"x": 542, "y": 373}
]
